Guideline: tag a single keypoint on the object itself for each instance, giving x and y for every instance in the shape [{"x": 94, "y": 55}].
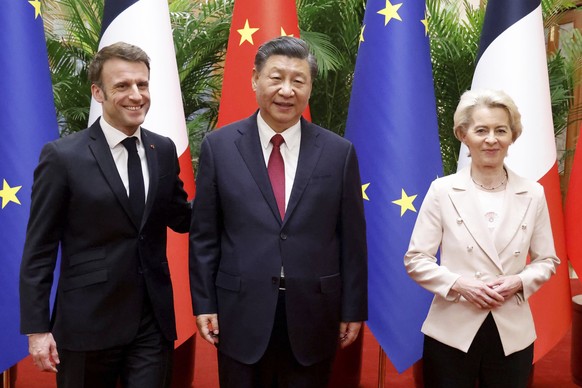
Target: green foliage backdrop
[{"x": 332, "y": 29}]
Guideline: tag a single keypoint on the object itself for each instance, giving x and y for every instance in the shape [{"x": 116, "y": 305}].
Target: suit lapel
[
  {"x": 152, "y": 160},
  {"x": 249, "y": 146},
  {"x": 102, "y": 154},
  {"x": 465, "y": 202},
  {"x": 309, "y": 153},
  {"x": 517, "y": 202}
]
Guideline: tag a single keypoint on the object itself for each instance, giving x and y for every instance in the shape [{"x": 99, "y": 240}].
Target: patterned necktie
[
  {"x": 276, "y": 168},
  {"x": 136, "y": 185}
]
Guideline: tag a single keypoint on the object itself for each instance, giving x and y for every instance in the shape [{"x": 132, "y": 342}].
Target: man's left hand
[{"x": 348, "y": 332}]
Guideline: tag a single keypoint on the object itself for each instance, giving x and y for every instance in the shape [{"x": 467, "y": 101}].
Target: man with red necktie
[{"x": 278, "y": 258}]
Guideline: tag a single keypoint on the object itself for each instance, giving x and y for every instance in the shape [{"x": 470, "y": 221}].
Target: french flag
[
  {"x": 146, "y": 24},
  {"x": 512, "y": 57}
]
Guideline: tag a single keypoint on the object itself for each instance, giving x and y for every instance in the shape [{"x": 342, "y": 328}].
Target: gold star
[
  {"x": 405, "y": 203},
  {"x": 283, "y": 33},
  {"x": 364, "y": 188},
  {"x": 36, "y": 5},
  {"x": 362, "y": 34},
  {"x": 8, "y": 194},
  {"x": 246, "y": 33},
  {"x": 425, "y": 22},
  {"x": 390, "y": 12}
]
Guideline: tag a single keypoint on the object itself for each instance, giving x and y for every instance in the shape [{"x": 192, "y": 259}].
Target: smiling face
[
  {"x": 488, "y": 136},
  {"x": 282, "y": 87},
  {"x": 124, "y": 94}
]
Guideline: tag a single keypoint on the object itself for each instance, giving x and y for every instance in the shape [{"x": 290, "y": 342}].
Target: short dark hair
[
  {"x": 289, "y": 47},
  {"x": 121, "y": 50}
]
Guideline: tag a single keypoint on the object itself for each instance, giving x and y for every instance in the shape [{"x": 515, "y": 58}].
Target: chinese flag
[
  {"x": 253, "y": 23},
  {"x": 574, "y": 211}
]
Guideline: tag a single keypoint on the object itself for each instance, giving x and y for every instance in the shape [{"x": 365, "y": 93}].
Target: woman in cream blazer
[{"x": 486, "y": 220}]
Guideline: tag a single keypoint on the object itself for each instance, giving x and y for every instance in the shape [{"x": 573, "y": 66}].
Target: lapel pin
[{"x": 153, "y": 147}]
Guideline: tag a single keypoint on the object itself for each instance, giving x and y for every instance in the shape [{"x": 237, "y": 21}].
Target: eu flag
[
  {"x": 27, "y": 121},
  {"x": 393, "y": 124}
]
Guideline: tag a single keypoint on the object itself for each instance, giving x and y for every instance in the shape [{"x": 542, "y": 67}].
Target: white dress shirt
[{"x": 114, "y": 138}]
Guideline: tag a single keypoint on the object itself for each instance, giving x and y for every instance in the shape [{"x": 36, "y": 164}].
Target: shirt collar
[
  {"x": 292, "y": 135},
  {"x": 114, "y": 136}
]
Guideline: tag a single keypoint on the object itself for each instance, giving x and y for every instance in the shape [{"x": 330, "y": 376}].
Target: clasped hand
[{"x": 488, "y": 295}]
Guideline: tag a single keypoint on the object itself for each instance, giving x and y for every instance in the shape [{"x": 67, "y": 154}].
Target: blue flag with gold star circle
[
  {"x": 27, "y": 122},
  {"x": 392, "y": 122}
]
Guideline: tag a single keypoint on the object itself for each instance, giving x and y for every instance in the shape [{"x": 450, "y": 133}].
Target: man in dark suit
[
  {"x": 278, "y": 257},
  {"x": 108, "y": 207}
]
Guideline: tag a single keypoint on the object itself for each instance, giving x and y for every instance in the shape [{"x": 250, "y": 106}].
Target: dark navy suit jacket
[{"x": 238, "y": 243}]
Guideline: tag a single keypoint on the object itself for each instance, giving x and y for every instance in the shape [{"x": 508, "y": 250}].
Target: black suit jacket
[
  {"x": 109, "y": 266},
  {"x": 238, "y": 243}
]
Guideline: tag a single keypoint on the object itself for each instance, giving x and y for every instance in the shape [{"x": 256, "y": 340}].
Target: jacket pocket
[
  {"x": 228, "y": 282},
  {"x": 87, "y": 256},
  {"x": 85, "y": 280}
]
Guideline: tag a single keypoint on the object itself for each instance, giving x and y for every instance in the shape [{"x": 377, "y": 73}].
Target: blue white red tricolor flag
[
  {"x": 146, "y": 24},
  {"x": 512, "y": 57},
  {"x": 392, "y": 122},
  {"x": 27, "y": 122}
]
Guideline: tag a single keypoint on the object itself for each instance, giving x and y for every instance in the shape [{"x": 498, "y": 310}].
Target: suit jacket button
[{"x": 283, "y": 236}]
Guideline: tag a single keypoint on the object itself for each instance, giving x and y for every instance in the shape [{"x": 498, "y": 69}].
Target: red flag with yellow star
[{"x": 253, "y": 23}]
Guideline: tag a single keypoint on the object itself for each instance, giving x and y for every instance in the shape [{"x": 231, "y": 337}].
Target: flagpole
[
  {"x": 6, "y": 378},
  {"x": 381, "y": 368}
]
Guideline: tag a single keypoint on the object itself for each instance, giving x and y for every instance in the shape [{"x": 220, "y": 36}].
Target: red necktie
[{"x": 276, "y": 168}]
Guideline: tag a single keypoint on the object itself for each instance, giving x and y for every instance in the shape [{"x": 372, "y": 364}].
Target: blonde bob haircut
[{"x": 472, "y": 99}]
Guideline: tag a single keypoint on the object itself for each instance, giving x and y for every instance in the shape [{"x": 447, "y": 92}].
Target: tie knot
[
  {"x": 130, "y": 143},
  {"x": 277, "y": 140}
]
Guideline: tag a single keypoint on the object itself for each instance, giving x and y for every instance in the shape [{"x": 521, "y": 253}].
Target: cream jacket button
[
  {"x": 469, "y": 248},
  {"x": 478, "y": 275},
  {"x": 459, "y": 221}
]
